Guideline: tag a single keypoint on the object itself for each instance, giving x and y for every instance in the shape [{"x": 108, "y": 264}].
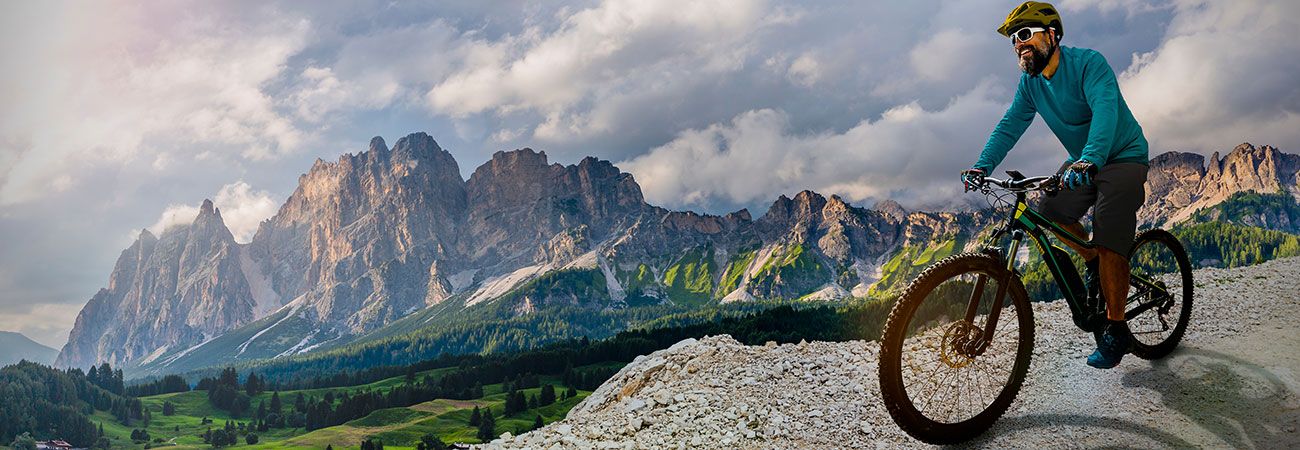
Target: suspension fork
[{"x": 978, "y": 346}]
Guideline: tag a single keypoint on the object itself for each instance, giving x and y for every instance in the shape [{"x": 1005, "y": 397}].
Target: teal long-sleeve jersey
[{"x": 1083, "y": 107}]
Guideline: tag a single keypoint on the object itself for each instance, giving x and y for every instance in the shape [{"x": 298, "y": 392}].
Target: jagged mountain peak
[
  {"x": 415, "y": 145},
  {"x": 209, "y": 225},
  {"x": 514, "y": 162},
  {"x": 1178, "y": 184},
  {"x": 804, "y": 205},
  {"x": 377, "y": 144},
  {"x": 891, "y": 208}
]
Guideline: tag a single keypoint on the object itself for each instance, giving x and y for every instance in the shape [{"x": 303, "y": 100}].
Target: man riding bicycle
[{"x": 1075, "y": 91}]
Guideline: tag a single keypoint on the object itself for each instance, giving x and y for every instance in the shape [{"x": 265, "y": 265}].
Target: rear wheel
[
  {"x": 1160, "y": 294},
  {"x": 937, "y": 381}
]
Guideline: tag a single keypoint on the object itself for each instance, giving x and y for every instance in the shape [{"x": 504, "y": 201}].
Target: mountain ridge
[
  {"x": 379, "y": 235},
  {"x": 15, "y": 346}
]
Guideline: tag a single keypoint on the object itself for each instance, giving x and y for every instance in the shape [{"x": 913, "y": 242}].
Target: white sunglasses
[{"x": 1025, "y": 34}]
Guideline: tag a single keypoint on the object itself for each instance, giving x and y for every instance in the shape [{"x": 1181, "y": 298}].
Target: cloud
[
  {"x": 908, "y": 154},
  {"x": 806, "y": 70},
  {"x": 108, "y": 84},
  {"x": 595, "y": 54},
  {"x": 946, "y": 53},
  {"x": 46, "y": 323},
  {"x": 1225, "y": 72},
  {"x": 379, "y": 69},
  {"x": 242, "y": 209}
]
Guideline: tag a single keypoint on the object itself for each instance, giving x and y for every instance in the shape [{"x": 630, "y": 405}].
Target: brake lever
[{"x": 1051, "y": 185}]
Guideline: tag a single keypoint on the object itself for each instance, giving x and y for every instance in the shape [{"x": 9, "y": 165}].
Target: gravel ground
[{"x": 1234, "y": 382}]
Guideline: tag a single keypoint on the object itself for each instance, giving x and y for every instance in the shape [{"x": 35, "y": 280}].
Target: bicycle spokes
[
  {"x": 953, "y": 364},
  {"x": 1160, "y": 293}
]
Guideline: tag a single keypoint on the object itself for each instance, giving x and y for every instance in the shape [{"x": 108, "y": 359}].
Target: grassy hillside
[
  {"x": 689, "y": 280},
  {"x": 400, "y": 427},
  {"x": 907, "y": 262}
]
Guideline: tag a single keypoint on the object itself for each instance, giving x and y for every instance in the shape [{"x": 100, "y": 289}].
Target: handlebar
[{"x": 1020, "y": 183}]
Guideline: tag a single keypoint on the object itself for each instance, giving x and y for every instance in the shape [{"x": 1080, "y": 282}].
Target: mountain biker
[{"x": 1075, "y": 92}]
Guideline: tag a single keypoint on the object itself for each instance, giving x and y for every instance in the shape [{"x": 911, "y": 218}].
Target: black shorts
[{"x": 1115, "y": 195}]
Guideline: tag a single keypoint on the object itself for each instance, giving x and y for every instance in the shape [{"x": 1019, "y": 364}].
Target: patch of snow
[
  {"x": 177, "y": 356},
  {"x": 497, "y": 286},
  {"x": 154, "y": 355},
  {"x": 265, "y": 299},
  {"x": 412, "y": 163},
  {"x": 300, "y": 344},
  {"x": 296, "y": 305},
  {"x": 461, "y": 280},
  {"x": 616, "y": 292}
]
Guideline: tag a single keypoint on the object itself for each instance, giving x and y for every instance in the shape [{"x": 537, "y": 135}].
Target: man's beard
[{"x": 1035, "y": 61}]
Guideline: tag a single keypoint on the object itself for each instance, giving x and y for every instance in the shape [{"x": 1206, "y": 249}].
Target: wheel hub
[{"x": 960, "y": 343}]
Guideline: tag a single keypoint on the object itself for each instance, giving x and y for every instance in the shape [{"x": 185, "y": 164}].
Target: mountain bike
[{"x": 957, "y": 344}]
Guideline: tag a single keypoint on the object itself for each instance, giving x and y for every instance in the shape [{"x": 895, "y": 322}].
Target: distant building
[{"x": 56, "y": 444}]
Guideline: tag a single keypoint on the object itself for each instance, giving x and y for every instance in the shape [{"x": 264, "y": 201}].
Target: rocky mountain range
[
  {"x": 1179, "y": 184},
  {"x": 377, "y": 236}
]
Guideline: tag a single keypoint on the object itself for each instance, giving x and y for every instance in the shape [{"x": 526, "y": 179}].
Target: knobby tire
[
  {"x": 893, "y": 390},
  {"x": 1169, "y": 248}
]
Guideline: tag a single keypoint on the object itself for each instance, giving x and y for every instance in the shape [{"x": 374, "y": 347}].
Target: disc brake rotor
[{"x": 956, "y": 343}]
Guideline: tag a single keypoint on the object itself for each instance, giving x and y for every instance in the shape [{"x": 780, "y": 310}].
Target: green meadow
[{"x": 397, "y": 428}]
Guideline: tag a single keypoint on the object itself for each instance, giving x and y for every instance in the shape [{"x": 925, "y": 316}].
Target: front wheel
[
  {"x": 938, "y": 380},
  {"x": 1160, "y": 296}
]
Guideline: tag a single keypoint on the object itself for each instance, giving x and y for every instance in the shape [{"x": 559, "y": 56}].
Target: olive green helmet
[{"x": 1032, "y": 13}]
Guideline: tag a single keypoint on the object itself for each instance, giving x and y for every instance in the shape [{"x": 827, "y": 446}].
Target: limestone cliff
[
  {"x": 1179, "y": 184},
  {"x": 173, "y": 291}
]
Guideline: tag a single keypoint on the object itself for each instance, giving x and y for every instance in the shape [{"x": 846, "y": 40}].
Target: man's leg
[
  {"x": 1115, "y": 340},
  {"x": 1120, "y": 194},
  {"x": 1077, "y": 230},
  {"x": 1114, "y": 282}
]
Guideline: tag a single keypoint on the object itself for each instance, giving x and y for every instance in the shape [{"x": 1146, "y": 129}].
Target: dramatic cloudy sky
[{"x": 117, "y": 116}]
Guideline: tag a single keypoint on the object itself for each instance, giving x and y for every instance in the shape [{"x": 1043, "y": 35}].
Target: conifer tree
[
  {"x": 538, "y": 423},
  {"x": 474, "y": 418},
  {"x": 548, "y": 395},
  {"x": 487, "y": 429}
]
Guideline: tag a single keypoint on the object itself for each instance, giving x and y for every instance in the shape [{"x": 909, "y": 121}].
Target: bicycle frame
[{"x": 1027, "y": 221}]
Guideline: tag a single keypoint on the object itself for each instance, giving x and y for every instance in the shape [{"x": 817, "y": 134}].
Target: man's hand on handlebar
[
  {"x": 972, "y": 178},
  {"x": 1078, "y": 174}
]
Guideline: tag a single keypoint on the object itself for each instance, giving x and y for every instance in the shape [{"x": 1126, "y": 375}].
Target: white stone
[{"x": 635, "y": 405}]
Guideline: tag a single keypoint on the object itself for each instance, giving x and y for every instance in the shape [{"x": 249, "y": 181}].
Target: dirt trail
[{"x": 1233, "y": 382}]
